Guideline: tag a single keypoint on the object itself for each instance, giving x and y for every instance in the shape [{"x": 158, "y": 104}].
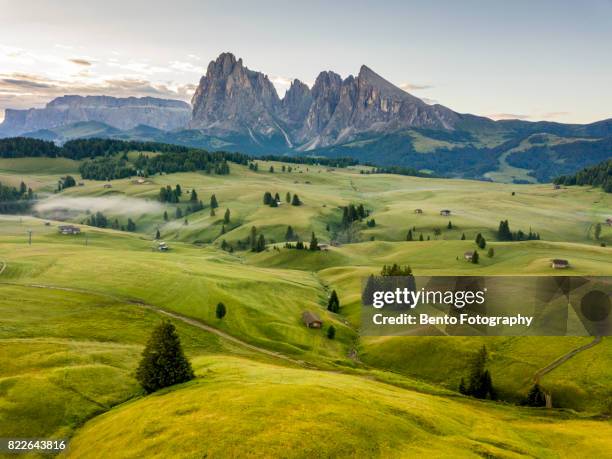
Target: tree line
[
  {"x": 15, "y": 200},
  {"x": 598, "y": 175}
]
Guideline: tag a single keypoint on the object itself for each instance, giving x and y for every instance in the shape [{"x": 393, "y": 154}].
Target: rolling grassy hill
[
  {"x": 242, "y": 408},
  {"x": 78, "y": 310}
]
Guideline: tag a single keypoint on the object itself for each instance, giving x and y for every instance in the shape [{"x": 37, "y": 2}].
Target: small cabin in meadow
[
  {"x": 445, "y": 212},
  {"x": 108, "y": 185},
  {"x": 162, "y": 247},
  {"x": 559, "y": 263},
  {"x": 418, "y": 211},
  {"x": 468, "y": 255},
  {"x": 69, "y": 229},
  {"x": 311, "y": 320},
  {"x": 556, "y": 187},
  {"x": 324, "y": 247}
]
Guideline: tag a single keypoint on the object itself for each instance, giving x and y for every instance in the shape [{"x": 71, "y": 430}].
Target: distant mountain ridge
[
  {"x": 365, "y": 117},
  {"x": 120, "y": 113}
]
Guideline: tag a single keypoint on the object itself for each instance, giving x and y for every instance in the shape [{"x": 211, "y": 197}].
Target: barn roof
[{"x": 310, "y": 317}]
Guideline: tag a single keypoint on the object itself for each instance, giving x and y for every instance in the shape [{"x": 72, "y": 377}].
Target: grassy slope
[
  {"x": 246, "y": 409},
  {"x": 40, "y": 174},
  {"x": 66, "y": 356},
  {"x": 265, "y": 298},
  {"x": 188, "y": 280}
]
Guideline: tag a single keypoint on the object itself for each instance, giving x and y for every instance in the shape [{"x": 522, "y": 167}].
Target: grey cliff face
[
  {"x": 232, "y": 98},
  {"x": 121, "y": 113}
]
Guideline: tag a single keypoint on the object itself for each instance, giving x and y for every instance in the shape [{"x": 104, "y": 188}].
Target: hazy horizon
[{"x": 521, "y": 60}]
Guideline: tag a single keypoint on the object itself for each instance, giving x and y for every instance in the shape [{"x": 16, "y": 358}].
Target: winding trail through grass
[
  {"x": 564, "y": 358},
  {"x": 174, "y": 315}
]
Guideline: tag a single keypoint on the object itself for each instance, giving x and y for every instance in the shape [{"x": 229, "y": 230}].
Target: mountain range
[{"x": 365, "y": 116}]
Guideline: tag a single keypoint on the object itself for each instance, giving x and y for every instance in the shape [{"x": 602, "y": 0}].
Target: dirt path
[
  {"x": 174, "y": 315},
  {"x": 564, "y": 358}
]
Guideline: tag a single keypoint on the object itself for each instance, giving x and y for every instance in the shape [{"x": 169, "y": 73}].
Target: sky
[{"x": 531, "y": 60}]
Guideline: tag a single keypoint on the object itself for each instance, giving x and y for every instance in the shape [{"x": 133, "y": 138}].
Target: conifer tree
[
  {"x": 491, "y": 252},
  {"x": 220, "y": 311},
  {"x": 226, "y": 217},
  {"x": 289, "y": 235},
  {"x": 157, "y": 234},
  {"x": 333, "y": 304},
  {"x": 179, "y": 213},
  {"x": 295, "y": 201},
  {"x": 261, "y": 243},
  {"x": 194, "y": 196},
  {"x": 479, "y": 380},
  {"x": 213, "y": 202},
  {"x": 253, "y": 239},
  {"x": 596, "y": 231},
  {"x": 288, "y": 197},
  {"x": 536, "y": 396},
  {"x": 163, "y": 363},
  {"x": 409, "y": 236},
  {"x": 462, "y": 388},
  {"x": 475, "y": 257},
  {"x": 450, "y": 225},
  {"x": 165, "y": 215},
  {"x": 421, "y": 237},
  {"x": 482, "y": 243},
  {"x": 331, "y": 332},
  {"x": 314, "y": 243},
  {"x": 463, "y": 236}
]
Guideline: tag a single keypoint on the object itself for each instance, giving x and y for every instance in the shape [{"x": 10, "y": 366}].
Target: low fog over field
[{"x": 116, "y": 205}]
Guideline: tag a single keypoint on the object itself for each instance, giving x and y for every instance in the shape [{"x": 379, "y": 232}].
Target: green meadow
[{"x": 77, "y": 311}]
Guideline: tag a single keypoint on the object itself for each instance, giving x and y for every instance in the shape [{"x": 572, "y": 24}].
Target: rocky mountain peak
[{"x": 232, "y": 98}]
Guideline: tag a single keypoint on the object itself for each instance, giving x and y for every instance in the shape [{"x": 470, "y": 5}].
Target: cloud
[
  {"x": 80, "y": 62},
  {"x": 554, "y": 115},
  {"x": 429, "y": 101},
  {"x": 182, "y": 66},
  {"x": 536, "y": 116},
  {"x": 508, "y": 116},
  {"x": 17, "y": 84},
  {"x": 414, "y": 87}
]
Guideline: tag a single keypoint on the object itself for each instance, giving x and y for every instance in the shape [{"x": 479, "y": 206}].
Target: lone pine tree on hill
[
  {"x": 333, "y": 304},
  {"x": 213, "y": 202},
  {"x": 163, "y": 363},
  {"x": 220, "y": 311}
]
